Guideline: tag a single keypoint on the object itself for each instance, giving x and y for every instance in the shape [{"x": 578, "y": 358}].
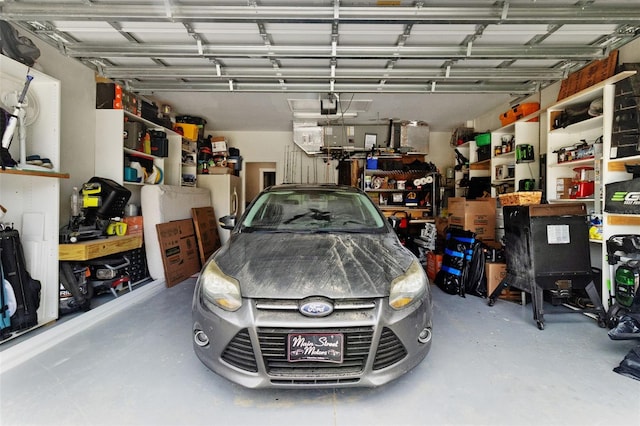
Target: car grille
[
  {"x": 239, "y": 352},
  {"x": 273, "y": 344},
  {"x": 390, "y": 350}
]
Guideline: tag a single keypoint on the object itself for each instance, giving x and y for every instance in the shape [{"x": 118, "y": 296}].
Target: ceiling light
[
  {"x": 318, "y": 115},
  {"x": 315, "y": 105}
]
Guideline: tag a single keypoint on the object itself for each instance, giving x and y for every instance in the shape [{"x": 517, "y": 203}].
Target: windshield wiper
[
  {"x": 339, "y": 231},
  {"x": 315, "y": 214}
]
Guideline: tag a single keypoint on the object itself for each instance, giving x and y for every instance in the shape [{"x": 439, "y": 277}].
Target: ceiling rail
[{"x": 445, "y": 13}]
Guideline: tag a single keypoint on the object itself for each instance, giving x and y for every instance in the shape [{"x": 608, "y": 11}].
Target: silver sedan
[{"x": 313, "y": 289}]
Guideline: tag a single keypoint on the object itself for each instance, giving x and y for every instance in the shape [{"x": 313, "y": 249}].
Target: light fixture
[{"x": 318, "y": 115}]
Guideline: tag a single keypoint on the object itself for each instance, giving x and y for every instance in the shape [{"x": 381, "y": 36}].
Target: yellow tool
[{"x": 91, "y": 195}]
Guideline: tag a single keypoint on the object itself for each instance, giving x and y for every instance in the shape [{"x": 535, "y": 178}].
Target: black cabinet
[{"x": 547, "y": 249}]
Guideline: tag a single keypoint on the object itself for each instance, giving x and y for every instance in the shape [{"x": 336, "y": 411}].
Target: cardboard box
[
  {"x": 478, "y": 216},
  {"x": 219, "y": 170},
  {"x": 563, "y": 188},
  {"x": 495, "y": 272},
  {"x": 134, "y": 225},
  {"x": 441, "y": 226},
  {"x": 108, "y": 96},
  {"x": 179, "y": 250},
  {"x": 219, "y": 146}
]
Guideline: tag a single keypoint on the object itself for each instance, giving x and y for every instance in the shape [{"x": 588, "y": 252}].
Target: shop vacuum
[
  {"x": 623, "y": 257},
  {"x": 623, "y": 316}
]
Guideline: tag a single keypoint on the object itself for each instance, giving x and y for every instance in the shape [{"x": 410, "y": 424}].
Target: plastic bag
[
  {"x": 17, "y": 47},
  {"x": 630, "y": 365},
  {"x": 627, "y": 328}
]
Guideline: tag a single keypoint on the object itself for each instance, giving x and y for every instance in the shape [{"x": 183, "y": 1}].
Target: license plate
[{"x": 318, "y": 347}]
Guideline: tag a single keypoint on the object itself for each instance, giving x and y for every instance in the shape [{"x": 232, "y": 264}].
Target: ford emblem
[{"x": 316, "y": 307}]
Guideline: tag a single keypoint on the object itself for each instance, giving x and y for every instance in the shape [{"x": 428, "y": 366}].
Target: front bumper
[{"x": 248, "y": 346}]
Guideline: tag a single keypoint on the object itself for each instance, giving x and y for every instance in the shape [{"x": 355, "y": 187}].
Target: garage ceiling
[{"x": 243, "y": 64}]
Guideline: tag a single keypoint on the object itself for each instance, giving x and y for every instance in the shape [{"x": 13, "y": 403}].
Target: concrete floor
[{"x": 130, "y": 362}]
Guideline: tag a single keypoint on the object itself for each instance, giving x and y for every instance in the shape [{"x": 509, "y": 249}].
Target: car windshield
[{"x": 313, "y": 210}]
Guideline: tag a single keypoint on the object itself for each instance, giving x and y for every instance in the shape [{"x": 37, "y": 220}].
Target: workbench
[{"x": 91, "y": 249}]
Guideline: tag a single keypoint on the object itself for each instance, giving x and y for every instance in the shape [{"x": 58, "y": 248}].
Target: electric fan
[{"x": 25, "y": 108}]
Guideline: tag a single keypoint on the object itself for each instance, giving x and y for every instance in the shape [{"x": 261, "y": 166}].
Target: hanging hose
[{"x": 476, "y": 283}]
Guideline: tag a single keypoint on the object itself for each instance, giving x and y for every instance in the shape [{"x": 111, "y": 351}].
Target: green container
[
  {"x": 627, "y": 280},
  {"x": 483, "y": 139}
]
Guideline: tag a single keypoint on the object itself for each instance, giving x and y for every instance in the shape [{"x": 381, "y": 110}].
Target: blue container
[
  {"x": 236, "y": 161},
  {"x": 372, "y": 163}
]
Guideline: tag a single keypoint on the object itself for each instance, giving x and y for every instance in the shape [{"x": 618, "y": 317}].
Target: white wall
[
  {"x": 77, "y": 119},
  {"x": 630, "y": 52},
  {"x": 278, "y": 146}
]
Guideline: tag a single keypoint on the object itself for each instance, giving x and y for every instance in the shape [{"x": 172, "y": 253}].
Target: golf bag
[
  {"x": 25, "y": 288},
  {"x": 7, "y": 306}
]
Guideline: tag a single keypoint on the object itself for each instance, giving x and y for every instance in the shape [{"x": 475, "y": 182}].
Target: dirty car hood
[{"x": 294, "y": 266}]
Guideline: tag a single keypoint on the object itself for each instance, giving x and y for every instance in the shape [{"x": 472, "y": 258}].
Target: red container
[
  {"x": 434, "y": 264},
  {"x": 582, "y": 190}
]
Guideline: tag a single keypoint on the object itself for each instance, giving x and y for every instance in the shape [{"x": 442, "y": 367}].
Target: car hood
[{"x": 294, "y": 266}]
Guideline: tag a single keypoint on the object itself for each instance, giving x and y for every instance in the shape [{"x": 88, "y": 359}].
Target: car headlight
[
  {"x": 219, "y": 289},
  {"x": 408, "y": 287}
]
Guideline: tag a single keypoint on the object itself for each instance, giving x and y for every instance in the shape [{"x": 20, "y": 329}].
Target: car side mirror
[
  {"x": 394, "y": 221},
  {"x": 227, "y": 222}
]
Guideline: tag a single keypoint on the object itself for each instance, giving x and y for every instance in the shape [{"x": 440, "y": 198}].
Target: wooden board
[
  {"x": 92, "y": 249},
  {"x": 593, "y": 73},
  {"x": 206, "y": 228},
  {"x": 629, "y": 220}
]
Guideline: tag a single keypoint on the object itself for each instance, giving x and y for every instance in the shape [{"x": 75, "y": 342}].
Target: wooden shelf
[
  {"x": 621, "y": 219},
  {"x": 618, "y": 164},
  {"x": 40, "y": 173},
  {"x": 572, "y": 200},
  {"x": 481, "y": 165}
]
